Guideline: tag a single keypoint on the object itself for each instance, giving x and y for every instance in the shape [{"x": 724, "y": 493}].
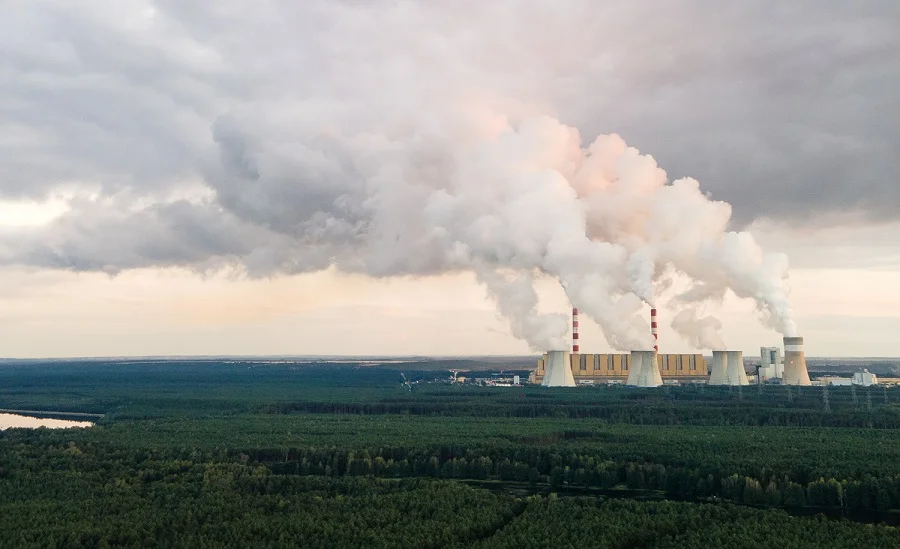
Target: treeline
[
  {"x": 770, "y": 485},
  {"x": 156, "y": 389},
  {"x": 235, "y": 505},
  {"x": 640, "y": 413},
  {"x": 582, "y": 522},
  {"x": 770, "y": 488},
  {"x": 229, "y": 505}
]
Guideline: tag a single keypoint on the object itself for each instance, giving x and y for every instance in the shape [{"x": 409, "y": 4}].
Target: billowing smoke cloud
[
  {"x": 517, "y": 301},
  {"x": 486, "y": 193},
  {"x": 397, "y": 148},
  {"x": 699, "y": 332}
]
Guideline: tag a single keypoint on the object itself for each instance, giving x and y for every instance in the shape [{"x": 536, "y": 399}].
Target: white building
[
  {"x": 865, "y": 378},
  {"x": 771, "y": 363},
  {"x": 837, "y": 381}
]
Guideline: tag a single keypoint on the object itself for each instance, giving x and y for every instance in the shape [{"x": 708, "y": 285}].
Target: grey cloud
[
  {"x": 787, "y": 111},
  {"x": 331, "y": 133},
  {"x": 95, "y": 237},
  {"x": 784, "y": 110},
  {"x": 87, "y": 99}
]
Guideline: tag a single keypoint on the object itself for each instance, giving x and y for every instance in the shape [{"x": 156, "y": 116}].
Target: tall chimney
[
  {"x": 654, "y": 329},
  {"x": 574, "y": 330},
  {"x": 795, "y": 372}
]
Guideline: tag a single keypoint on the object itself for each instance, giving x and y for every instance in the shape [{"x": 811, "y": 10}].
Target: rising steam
[
  {"x": 507, "y": 198},
  {"x": 699, "y": 332}
]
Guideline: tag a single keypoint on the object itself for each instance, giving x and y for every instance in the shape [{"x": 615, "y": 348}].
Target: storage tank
[
  {"x": 795, "y": 372},
  {"x": 557, "y": 371}
]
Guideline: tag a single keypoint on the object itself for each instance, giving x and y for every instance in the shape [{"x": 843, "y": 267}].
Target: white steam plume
[
  {"x": 630, "y": 202},
  {"x": 699, "y": 332},
  {"x": 396, "y": 148},
  {"x": 471, "y": 191},
  {"x": 517, "y": 301}
]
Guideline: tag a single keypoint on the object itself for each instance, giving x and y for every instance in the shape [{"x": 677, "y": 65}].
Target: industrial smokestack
[
  {"x": 574, "y": 330},
  {"x": 558, "y": 371},
  {"x": 734, "y": 371},
  {"x": 654, "y": 329},
  {"x": 644, "y": 370},
  {"x": 795, "y": 372},
  {"x": 718, "y": 373}
]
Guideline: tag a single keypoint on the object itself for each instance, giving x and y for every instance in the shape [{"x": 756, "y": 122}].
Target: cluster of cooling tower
[{"x": 727, "y": 366}]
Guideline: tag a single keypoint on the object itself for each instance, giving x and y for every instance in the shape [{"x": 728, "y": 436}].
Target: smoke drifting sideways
[
  {"x": 699, "y": 332},
  {"x": 507, "y": 197}
]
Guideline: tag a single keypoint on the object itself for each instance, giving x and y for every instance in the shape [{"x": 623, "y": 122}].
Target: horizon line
[{"x": 357, "y": 356}]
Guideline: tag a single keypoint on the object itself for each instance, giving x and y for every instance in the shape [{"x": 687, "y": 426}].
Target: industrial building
[
  {"x": 771, "y": 364},
  {"x": 864, "y": 378},
  {"x": 557, "y": 371},
  {"x": 795, "y": 372},
  {"x": 728, "y": 369},
  {"x": 614, "y": 368},
  {"x": 564, "y": 369}
]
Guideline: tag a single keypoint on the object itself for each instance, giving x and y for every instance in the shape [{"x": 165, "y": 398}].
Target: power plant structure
[
  {"x": 596, "y": 368},
  {"x": 649, "y": 368},
  {"x": 795, "y": 372},
  {"x": 645, "y": 370},
  {"x": 635, "y": 368},
  {"x": 728, "y": 369},
  {"x": 558, "y": 372},
  {"x": 575, "y": 330},
  {"x": 718, "y": 372},
  {"x": 735, "y": 373},
  {"x": 771, "y": 364}
]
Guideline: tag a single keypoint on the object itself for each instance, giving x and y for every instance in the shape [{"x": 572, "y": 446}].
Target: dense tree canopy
[{"x": 325, "y": 456}]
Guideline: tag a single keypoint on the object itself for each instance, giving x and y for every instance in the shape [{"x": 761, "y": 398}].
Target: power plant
[
  {"x": 771, "y": 364},
  {"x": 735, "y": 374},
  {"x": 645, "y": 370},
  {"x": 795, "y": 372},
  {"x": 649, "y": 368},
  {"x": 718, "y": 373},
  {"x": 558, "y": 371}
]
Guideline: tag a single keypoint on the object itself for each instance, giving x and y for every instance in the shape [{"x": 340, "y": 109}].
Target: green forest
[{"x": 243, "y": 453}]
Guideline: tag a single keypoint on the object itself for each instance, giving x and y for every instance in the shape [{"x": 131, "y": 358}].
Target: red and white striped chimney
[
  {"x": 654, "y": 329},
  {"x": 574, "y": 330}
]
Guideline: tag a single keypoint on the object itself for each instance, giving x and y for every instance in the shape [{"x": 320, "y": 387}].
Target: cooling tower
[
  {"x": 558, "y": 372},
  {"x": 795, "y": 372},
  {"x": 734, "y": 370},
  {"x": 718, "y": 373},
  {"x": 634, "y": 369},
  {"x": 644, "y": 370}
]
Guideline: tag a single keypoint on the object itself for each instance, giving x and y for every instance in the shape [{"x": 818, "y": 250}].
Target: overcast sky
[{"x": 192, "y": 178}]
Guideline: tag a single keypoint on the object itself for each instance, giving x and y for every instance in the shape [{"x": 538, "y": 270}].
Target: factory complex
[
  {"x": 649, "y": 368},
  {"x": 614, "y": 368}
]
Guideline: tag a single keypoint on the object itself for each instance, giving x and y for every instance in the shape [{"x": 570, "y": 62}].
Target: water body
[{"x": 8, "y": 421}]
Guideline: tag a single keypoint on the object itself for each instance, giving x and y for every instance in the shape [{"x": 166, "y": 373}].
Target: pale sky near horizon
[{"x": 183, "y": 179}]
